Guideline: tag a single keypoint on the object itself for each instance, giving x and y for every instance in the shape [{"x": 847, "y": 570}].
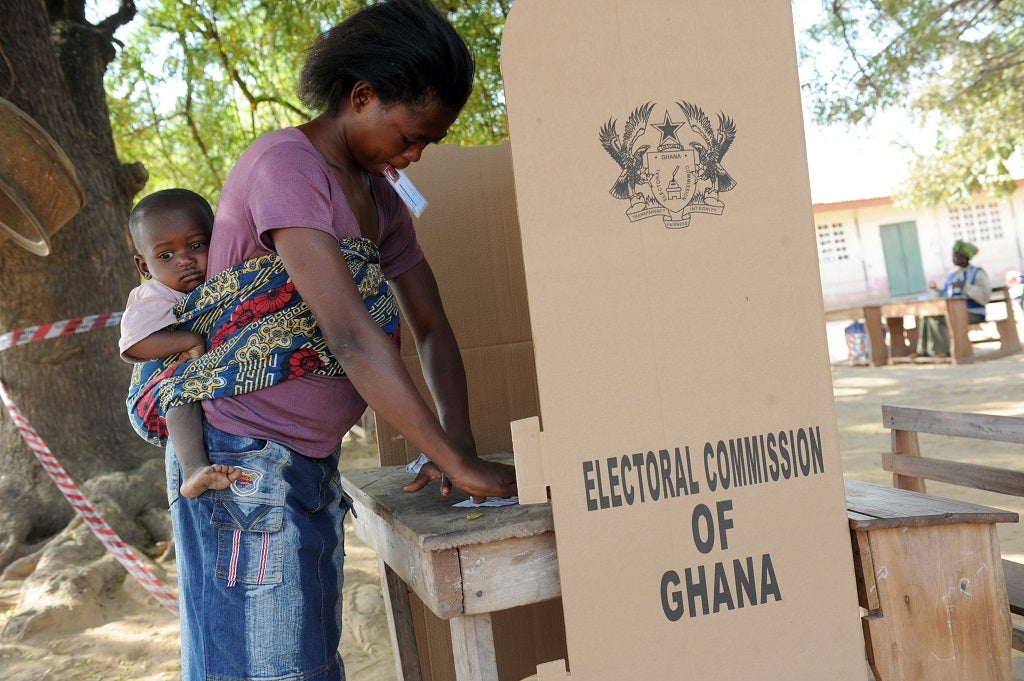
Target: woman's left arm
[
  {"x": 438, "y": 350},
  {"x": 981, "y": 290}
]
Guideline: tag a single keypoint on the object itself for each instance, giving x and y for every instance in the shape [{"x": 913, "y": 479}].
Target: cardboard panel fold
[{"x": 530, "y": 475}]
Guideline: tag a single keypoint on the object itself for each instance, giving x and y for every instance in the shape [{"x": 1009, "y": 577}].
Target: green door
[{"x": 902, "y": 258}]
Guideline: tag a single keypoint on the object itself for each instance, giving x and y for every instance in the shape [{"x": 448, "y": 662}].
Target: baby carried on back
[{"x": 258, "y": 333}]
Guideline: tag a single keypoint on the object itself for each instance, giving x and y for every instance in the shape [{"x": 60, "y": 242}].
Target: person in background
[
  {"x": 171, "y": 232},
  {"x": 260, "y": 564},
  {"x": 966, "y": 281}
]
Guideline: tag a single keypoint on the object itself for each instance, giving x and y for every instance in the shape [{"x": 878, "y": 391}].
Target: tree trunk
[{"x": 71, "y": 388}]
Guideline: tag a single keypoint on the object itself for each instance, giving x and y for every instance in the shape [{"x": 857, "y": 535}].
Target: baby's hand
[{"x": 193, "y": 352}]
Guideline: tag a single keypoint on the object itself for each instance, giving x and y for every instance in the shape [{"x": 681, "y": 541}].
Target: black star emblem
[{"x": 668, "y": 130}]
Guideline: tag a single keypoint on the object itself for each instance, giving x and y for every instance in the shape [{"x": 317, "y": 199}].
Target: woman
[
  {"x": 259, "y": 564},
  {"x": 966, "y": 281}
]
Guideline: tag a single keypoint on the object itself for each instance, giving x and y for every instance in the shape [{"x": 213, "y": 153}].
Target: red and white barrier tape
[
  {"x": 78, "y": 501},
  {"x": 65, "y": 328}
]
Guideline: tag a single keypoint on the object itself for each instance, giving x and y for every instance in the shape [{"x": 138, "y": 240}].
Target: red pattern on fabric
[
  {"x": 253, "y": 310},
  {"x": 146, "y": 406},
  {"x": 302, "y": 362}
]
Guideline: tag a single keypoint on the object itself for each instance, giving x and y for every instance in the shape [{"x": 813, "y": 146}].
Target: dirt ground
[{"x": 136, "y": 640}]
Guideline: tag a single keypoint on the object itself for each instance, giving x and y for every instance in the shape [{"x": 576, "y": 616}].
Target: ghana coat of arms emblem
[{"x": 671, "y": 169}]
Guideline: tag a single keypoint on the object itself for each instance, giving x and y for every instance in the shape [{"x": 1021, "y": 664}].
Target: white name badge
[{"x": 406, "y": 189}]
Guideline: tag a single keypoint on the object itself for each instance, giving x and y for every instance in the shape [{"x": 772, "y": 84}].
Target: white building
[{"x": 871, "y": 249}]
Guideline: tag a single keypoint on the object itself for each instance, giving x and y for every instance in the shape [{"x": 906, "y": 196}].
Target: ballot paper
[{"x": 492, "y": 502}]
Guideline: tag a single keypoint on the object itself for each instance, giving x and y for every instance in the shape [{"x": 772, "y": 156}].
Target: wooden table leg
[
  {"x": 403, "y": 638},
  {"x": 960, "y": 348},
  {"x": 876, "y": 334},
  {"x": 897, "y": 338},
  {"x": 473, "y": 646},
  {"x": 1009, "y": 339}
]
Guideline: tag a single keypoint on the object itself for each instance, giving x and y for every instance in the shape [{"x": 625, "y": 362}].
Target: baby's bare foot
[{"x": 215, "y": 476}]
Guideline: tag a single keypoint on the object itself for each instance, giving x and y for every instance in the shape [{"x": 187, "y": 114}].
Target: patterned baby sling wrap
[{"x": 258, "y": 333}]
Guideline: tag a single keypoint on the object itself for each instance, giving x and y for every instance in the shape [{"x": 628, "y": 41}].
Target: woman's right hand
[
  {"x": 482, "y": 478},
  {"x": 478, "y": 478}
]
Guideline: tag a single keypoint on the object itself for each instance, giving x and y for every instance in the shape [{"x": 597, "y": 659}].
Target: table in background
[
  {"x": 930, "y": 576},
  {"x": 953, "y": 310},
  {"x": 884, "y": 318}
]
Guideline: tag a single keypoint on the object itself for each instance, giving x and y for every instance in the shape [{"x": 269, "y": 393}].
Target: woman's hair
[{"x": 405, "y": 49}]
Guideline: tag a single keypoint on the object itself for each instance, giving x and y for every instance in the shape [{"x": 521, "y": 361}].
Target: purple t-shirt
[{"x": 282, "y": 181}]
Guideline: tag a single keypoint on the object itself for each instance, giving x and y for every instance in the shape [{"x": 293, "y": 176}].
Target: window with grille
[
  {"x": 832, "y": 245},
  {"x": 976, "y": 222}
]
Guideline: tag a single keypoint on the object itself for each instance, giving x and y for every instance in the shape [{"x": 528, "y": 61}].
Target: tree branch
[{"x": 124, "y": 14}]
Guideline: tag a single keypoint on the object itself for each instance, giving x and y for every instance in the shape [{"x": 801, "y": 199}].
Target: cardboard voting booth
[
  {"x": 470, "y": 235},
  {"x": 687, "y": 435}
]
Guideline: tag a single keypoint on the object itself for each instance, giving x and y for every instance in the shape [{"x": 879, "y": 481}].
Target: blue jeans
[{"x": 260, "y": 565}]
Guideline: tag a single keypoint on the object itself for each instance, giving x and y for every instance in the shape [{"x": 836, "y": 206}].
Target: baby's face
[{"x": 175, "y": 244}]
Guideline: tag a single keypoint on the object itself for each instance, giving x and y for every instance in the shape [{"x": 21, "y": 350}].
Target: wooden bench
[
  {"x": 1005, "y": 322},
  {"x": 910, "y": 469}
]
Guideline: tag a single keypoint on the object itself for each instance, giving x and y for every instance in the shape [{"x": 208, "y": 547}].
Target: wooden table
[
  {"x": 887, "y": 315},
  {"x": 930, "y": 577},
  {"x": 953, "y": 310},
  {"x": 464, "y": 563}
]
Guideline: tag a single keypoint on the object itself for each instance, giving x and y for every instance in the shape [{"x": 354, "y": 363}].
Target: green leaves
[
  {"x": 957, "y": 65},
  {"x": 199, "y": 80}
]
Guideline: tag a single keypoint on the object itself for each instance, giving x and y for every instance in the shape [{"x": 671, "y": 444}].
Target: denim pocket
[
  {"x": 248, "y": 541},
  {"x": 249, "y": 517}
]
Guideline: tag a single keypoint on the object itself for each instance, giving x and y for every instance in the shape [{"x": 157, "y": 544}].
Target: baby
[{"x": 171, "y": 231}]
